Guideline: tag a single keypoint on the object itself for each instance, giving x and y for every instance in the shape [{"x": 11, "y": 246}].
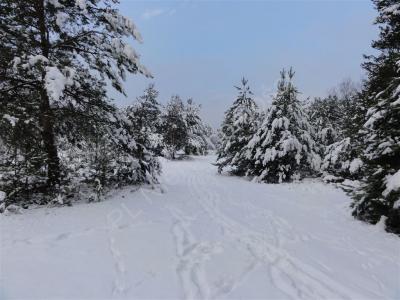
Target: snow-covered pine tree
[
  {"x": 347, "y": 94},
  {"x": 211, "y": 137},
  {"x": 324, "y": 115},
  {"x": 62, "y": 53},
  {"x": 334, "y": 119},
  {"x": 21, "y": 157},
  {"x": 128, "y": 162},
  {"x": 378, "y": 200},
  {"x": 341, "y": 160},
  {"x": 174, "y": 127},
  {"x": 238, "y": 127},
  {"x": 110, "y": 156},
  {"x": 145, "y": 118},
  {"x": 197, "y": 135},
  {"x": 283, "y": 148}
]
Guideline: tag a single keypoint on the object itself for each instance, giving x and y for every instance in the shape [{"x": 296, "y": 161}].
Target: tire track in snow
[
  {"x": 290, "y": 275},
  {"x": 191, "y": 258}
]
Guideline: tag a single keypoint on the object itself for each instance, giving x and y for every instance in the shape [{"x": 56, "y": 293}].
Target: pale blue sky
[{"x": 201, "y": 49}]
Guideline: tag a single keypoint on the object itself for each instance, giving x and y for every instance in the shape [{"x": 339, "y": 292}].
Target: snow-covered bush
[{"x": 340, "y": 159}]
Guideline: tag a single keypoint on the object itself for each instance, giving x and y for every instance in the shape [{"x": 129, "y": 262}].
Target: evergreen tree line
[
  {"x": 59, "y": 129},
  {"x": 118, "y": 150},
  {"x": 352, "y": 136},
  {"x": 176, "y": 128}
]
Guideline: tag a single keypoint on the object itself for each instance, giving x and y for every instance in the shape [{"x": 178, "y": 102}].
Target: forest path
[{"x": 200, "y": 235}]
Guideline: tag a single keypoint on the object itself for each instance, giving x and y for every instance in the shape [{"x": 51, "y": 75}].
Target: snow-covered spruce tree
[
  {"x": 341, "y": 160},
  {"x": 109, "y": 157},
  {"x": 145, "y": 119},
  {"x": 283, "y": 148},
  {"x": 174, "y": 127},
  {"x": 346, "y": 94},
  {"x": 216, "y": 138},
  {"x": 324, "y": 115},
  {"x": 21, "y": 158},
  {"x": 238, "y": 127},
  {"x": 124, "y": 160},
  {"x": 197, "y": 133},
  {"x": 211, "y": 137},
  {"x": 61, "y": 53},
  {"x": 334, "y": 119},
  {"x": 379, "y": 197}
]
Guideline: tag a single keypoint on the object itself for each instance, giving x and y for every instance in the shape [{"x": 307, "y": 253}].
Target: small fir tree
[
  {"x": 283, "y": 148},
  {"x": 238, "y": 127},
  {"x": 197, "y": 132},
  {"x": 174, "y": 127},
  {"x": 145, "y": 117}
]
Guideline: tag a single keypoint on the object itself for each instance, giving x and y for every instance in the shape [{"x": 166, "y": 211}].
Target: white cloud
[
  {"x": 152, "y": 13},
  {"x": 148, "y": 14}
]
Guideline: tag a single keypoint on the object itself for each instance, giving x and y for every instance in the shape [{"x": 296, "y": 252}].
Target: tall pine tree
[
  {"x": 57, "y": 57},
  {"x": 379, "y": 197}
]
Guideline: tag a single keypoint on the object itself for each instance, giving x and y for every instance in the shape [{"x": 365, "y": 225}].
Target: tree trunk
[
  {"x": 47, "y": 124},
  {"x": 46, "y": 113}
]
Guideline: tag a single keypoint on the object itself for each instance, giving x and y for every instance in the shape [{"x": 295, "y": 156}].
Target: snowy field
[{"x": 205, "y": 236}]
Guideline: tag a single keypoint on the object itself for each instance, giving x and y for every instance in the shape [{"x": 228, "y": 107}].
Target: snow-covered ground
[{"x": 206, "y": 236}]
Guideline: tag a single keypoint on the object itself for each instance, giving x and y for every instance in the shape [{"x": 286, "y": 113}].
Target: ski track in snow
[
  {"x": 294, "y": 278},
  {"x": 202, "y": 219},
  {"x": 286, "y": 275},
  {"x": 191, "y": 256}
]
